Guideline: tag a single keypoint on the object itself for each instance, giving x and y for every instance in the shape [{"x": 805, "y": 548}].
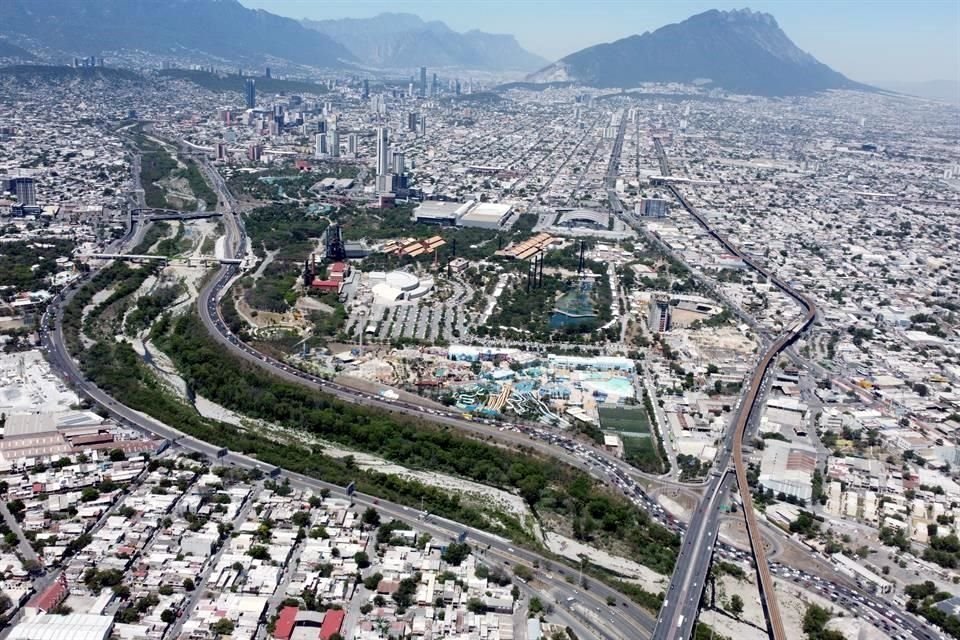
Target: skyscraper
[
  {"x": 433, "y": 86},
  {"x": 423, "y": 125},
  {"x": 321, "y": 146},
  {"x": 423, "y": 82},
  {"x": 334, "y": 136},
  {"x": 352, "y": 144},
  {"x": 266, "y": 73},
  {"x": 366, "y": 89},
  {"x": 25, "y": 190},
  {"x": 250, "y": 91},
  {"x": 399, "y": 163},
  {"x": 383, "y": 151},
  {"x": 412, "y": 121},
  {"x": 384, "y": 177}
]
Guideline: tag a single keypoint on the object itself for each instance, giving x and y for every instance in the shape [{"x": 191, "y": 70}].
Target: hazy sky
[{"x": 868, "y": 40}]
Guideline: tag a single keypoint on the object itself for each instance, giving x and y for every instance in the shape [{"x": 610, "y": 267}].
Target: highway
[
  {"x": 553, "y": 443},
  {"x": 630, "y": 620},
  {"x": 587, "y": 611},
  {"x": 679, "y": 613},
  {"x": 583, "y": 606}
]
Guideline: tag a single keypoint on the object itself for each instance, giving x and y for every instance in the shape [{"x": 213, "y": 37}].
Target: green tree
[
  {"x": 222, "y": 627},
  {"x": 736, "y": 605},
  {"x": 455, "y": 553},
  {"x": 371, "y": 517}
]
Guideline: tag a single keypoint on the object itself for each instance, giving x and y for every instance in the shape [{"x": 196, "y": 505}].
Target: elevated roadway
[
  {"x": 157, "y": 215},
  {"x": 679, "y": 613}
]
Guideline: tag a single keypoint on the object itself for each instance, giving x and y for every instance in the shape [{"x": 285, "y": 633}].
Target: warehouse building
[
  {"x": 479, "y": 215},
  {"x": 787, "y": 467}
]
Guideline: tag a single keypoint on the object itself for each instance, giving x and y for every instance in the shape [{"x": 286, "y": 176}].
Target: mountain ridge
[
  {"x": 219, "y": 28},
  {"x": 404, "y": 40},
  {"x": 739, "y": 51}
]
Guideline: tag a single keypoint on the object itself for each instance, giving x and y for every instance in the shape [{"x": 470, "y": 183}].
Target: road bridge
[
  {"x": 682, "y": 604},
  {"x": 202, "y": 261},
  {"x": 157, "y": 215}
]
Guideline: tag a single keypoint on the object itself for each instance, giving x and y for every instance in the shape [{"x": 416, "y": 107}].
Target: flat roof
[
  {"x": 437, "y": 209},
  {"x": 487, "y": 212},
  {"x": 73, "y": 626}
]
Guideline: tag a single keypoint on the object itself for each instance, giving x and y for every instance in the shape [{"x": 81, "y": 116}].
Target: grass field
[
  {"x": 624, "y": 420},
  {"x": 633, "y": 425}
]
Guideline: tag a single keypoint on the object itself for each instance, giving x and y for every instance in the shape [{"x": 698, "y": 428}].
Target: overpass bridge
[
  {"x": 202, "y": 261},
  {"x": 156, "y": 215}
]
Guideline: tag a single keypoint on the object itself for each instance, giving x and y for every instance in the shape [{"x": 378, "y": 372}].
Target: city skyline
[{"x": 851, "y": 37}]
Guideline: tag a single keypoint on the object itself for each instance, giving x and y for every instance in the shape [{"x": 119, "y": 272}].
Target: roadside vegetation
[{"x": 595, "y": 514}]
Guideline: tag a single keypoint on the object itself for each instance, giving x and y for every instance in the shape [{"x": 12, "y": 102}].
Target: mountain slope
[
  {"x": 740, "y": 51},
  {"x": 12, "y": 51},
  {"x": 404, "y": 40},
  {"x": 222, "y": 28}
]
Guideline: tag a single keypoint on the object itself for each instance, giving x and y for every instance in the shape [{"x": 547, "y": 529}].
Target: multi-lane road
[
  {"x": 587, "y": 610},
  {"x": 679, "y": 613},
  {"x": 584, "y": 607}
]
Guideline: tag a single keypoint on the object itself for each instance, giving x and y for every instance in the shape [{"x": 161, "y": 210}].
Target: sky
[{"x": 867, "y": 40}]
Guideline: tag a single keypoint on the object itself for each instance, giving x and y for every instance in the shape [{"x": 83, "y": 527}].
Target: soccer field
[{"x": 625, "y": 420}]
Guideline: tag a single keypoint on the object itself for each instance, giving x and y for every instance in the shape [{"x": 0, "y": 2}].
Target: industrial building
[
  {"x": 787, "y": 467},
  {"x": 73, "y": 626},
  {"x": 652, "y": 208},
  {"x": 861, "y": 574},
  {"x": 480, "y": 215}
]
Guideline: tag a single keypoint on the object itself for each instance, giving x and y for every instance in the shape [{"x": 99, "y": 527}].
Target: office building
[
  {"x": 266, "y": 73},
  {"x": 412, "y": 121},
  {"x": 456, "y": 88},
  {"x": 25, "y": 190},
  {"x": 384, "y": 178},
  {"x": 423, "y": 82},
  {"x": 433, "y": 86},
  {"x": 250, "y": 92},
  {"x": 366, "y": 89},
  {"x": 399, "y": 163},
  {"x": 334, "y": 142},
  {"x": 383, "y": 150},
  {"x": 352, "y": 144},
  {"x": 322, "y": 126},
  {"x": 658, "y": 314},
  {"x": 321, "y": 146},
  {"x": 423, "y": 125}
]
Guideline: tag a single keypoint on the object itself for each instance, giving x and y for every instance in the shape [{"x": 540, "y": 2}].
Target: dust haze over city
[{"x": 479, "y": 320}]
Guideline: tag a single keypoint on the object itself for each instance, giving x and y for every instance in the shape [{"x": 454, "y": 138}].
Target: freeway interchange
[{"x": 585, "y": 610}]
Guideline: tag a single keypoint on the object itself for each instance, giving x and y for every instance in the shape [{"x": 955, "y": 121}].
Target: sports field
[{"x": 625, "y": 420}]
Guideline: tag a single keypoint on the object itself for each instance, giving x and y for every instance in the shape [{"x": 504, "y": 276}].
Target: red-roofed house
[
  {"x": 48, "y": 599},
  {"x": 332, "y": 622},
  {"x": 285, "y": 622}
]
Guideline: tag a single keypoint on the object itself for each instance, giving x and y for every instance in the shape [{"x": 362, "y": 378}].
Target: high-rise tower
[{"x": 250, "y": 92}]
